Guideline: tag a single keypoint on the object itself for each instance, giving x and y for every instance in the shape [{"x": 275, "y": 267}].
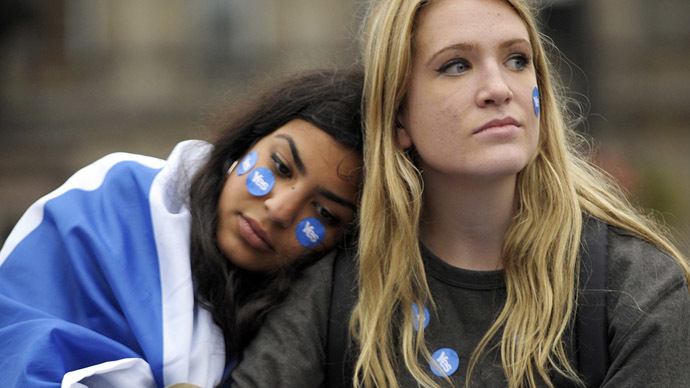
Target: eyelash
[
  {"x": 329, "y": 217},
  {"x": 453, "y": 62},
  {"x": 525, "y": 59},
  {"x": 321, "y": 211},
  {"x": 279, "y": 166}
]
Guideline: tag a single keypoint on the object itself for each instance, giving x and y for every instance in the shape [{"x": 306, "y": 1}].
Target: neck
[{"x": 465, "y": 220}]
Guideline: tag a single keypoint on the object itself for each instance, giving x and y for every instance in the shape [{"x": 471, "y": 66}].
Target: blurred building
[
  {"x": 630, "y": 70},
  {"x": 82, "y": 78}
]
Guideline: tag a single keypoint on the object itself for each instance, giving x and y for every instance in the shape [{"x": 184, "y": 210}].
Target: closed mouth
[
  {"x": 254, "y": 235},
  {"x": 497, "y": 123}
]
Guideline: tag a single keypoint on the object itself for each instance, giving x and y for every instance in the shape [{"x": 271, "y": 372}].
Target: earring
[{"x": 232, "y": 167}]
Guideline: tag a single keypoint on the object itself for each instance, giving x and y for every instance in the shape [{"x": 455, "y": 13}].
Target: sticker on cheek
[
  {"x": 535, "y": 100},
  {"x": 247, "y": 163},
  {"x": 310, "y": 232},
  {"x": 260, "y": 181}
]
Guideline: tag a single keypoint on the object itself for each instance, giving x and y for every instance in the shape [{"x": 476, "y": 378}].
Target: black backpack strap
[
  {"x": 339, "y": 363},
  {"x": 591, "y": 324}
]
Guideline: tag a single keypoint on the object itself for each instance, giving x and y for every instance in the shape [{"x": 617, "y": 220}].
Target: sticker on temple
[{"x": 247, "y": 163}]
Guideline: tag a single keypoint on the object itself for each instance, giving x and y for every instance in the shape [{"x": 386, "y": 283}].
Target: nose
[
  {"x": 493, "y": 88},
  {"x": 283, "y": 205}
]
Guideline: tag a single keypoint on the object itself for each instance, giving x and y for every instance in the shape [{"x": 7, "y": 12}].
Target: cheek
[
  {"x": 331, "y": 237},
  {"x": 335, "y": 237},
  {"x": 442, "y": 111},
  {"x": 234, "y": 188},
  {"x": 450, "y": 111},
  {"x": 292, "y": 251},
  {"x": 532, "y": 121},
  {"x": 225, "y": 199},
  {"x": 534, "y": 137}
]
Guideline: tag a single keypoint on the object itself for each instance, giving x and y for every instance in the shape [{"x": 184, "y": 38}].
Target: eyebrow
[
  {"x": 295, "y": 153},
  {"x": 337, "y": 199},
  {"x": 453, "y": 47},
  {"x": 516, "y": 42},
  {"x": 472, "y": 47}
]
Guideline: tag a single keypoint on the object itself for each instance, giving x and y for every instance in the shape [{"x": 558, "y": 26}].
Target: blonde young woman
[
  {"x": 478, "y": 162},
  {"x": 471, "y": 221}
]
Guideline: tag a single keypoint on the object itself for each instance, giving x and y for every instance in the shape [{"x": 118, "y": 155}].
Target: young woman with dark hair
[
  {"x": 144, "y": 272},
  {"x": 327, "y": 100}
]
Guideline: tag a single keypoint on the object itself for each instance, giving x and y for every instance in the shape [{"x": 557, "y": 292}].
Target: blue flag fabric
[{"x": 96, "y": 286}]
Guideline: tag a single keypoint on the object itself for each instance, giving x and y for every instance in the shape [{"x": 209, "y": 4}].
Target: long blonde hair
[{"x": 540, "y": 251}]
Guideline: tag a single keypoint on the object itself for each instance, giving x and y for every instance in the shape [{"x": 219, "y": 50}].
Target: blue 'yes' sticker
[
  {"x": 416, "y": 317},
  {"x": 447, "y": 360},
  {"x": 535, "y": 100},
  {"x": 247, "y": 163},
  {"x": 260, "y": 181},
  {"x": 310, "y": 232}
]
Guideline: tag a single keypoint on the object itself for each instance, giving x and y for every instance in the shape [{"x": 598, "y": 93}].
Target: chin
[
  {"x": 248, "y": 265},
  {"x": 508, "y": 164},
  {"x": 239, "y": 258},
  {"x": 498, "y": 168}
]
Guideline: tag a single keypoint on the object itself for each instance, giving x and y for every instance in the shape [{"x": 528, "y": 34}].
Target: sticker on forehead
[
  {"x": 310, "y": 232},
  {"x": 247, "y": 163},
  {"x": 260, "y": 181},
  {"x": 535, "y": 100}
]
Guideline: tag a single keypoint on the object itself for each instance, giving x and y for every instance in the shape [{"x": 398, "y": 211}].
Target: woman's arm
[
  {"x": 95, "y": 284},
  {"x": 69, "y": 307},
  {"x": 288, "y": 350}
]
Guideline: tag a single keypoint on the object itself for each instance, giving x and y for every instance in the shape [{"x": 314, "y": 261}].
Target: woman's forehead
[{"x": 468, "y": 19}]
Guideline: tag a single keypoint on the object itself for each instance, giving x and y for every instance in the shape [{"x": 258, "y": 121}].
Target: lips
[
  {"x": 252, "y": 232},
  {"x": 498, "y": 123}
]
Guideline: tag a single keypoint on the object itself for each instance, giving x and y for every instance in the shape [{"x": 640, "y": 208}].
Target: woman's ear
[{"x": 403, "y": 137}]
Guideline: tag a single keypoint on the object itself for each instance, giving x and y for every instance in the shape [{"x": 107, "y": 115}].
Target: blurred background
[{"x": 83, "y": 78}]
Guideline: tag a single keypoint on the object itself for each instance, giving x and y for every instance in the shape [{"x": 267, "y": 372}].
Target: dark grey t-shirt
[{"x": 648, "y": 312}]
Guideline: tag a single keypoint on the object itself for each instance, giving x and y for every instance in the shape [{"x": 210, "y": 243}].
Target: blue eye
[
  {"x": 518, "y": 62},
  {"x": 454, "y": 67}
]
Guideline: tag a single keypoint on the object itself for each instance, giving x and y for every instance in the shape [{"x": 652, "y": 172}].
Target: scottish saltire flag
[{"x": 95, "y": 282}]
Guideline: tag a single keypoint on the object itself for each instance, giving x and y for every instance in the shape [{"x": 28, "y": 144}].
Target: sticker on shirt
[
  {"x": 416, "y": 318},
  {"x": 535, "y": 100},
  {"x": 260, "y": 181},
  {"x": 247, "y": 163},
  {"x": 444, "y": 362},
  {"x": 310, "y": 232}
]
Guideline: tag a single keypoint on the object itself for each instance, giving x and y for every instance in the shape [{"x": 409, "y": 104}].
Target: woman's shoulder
[
  {"x": 636, "y": 264},
  {"x": 648, "y": 313},
  {"x": 643, "y": 282},
  {"x": 289, "y": 349}
]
